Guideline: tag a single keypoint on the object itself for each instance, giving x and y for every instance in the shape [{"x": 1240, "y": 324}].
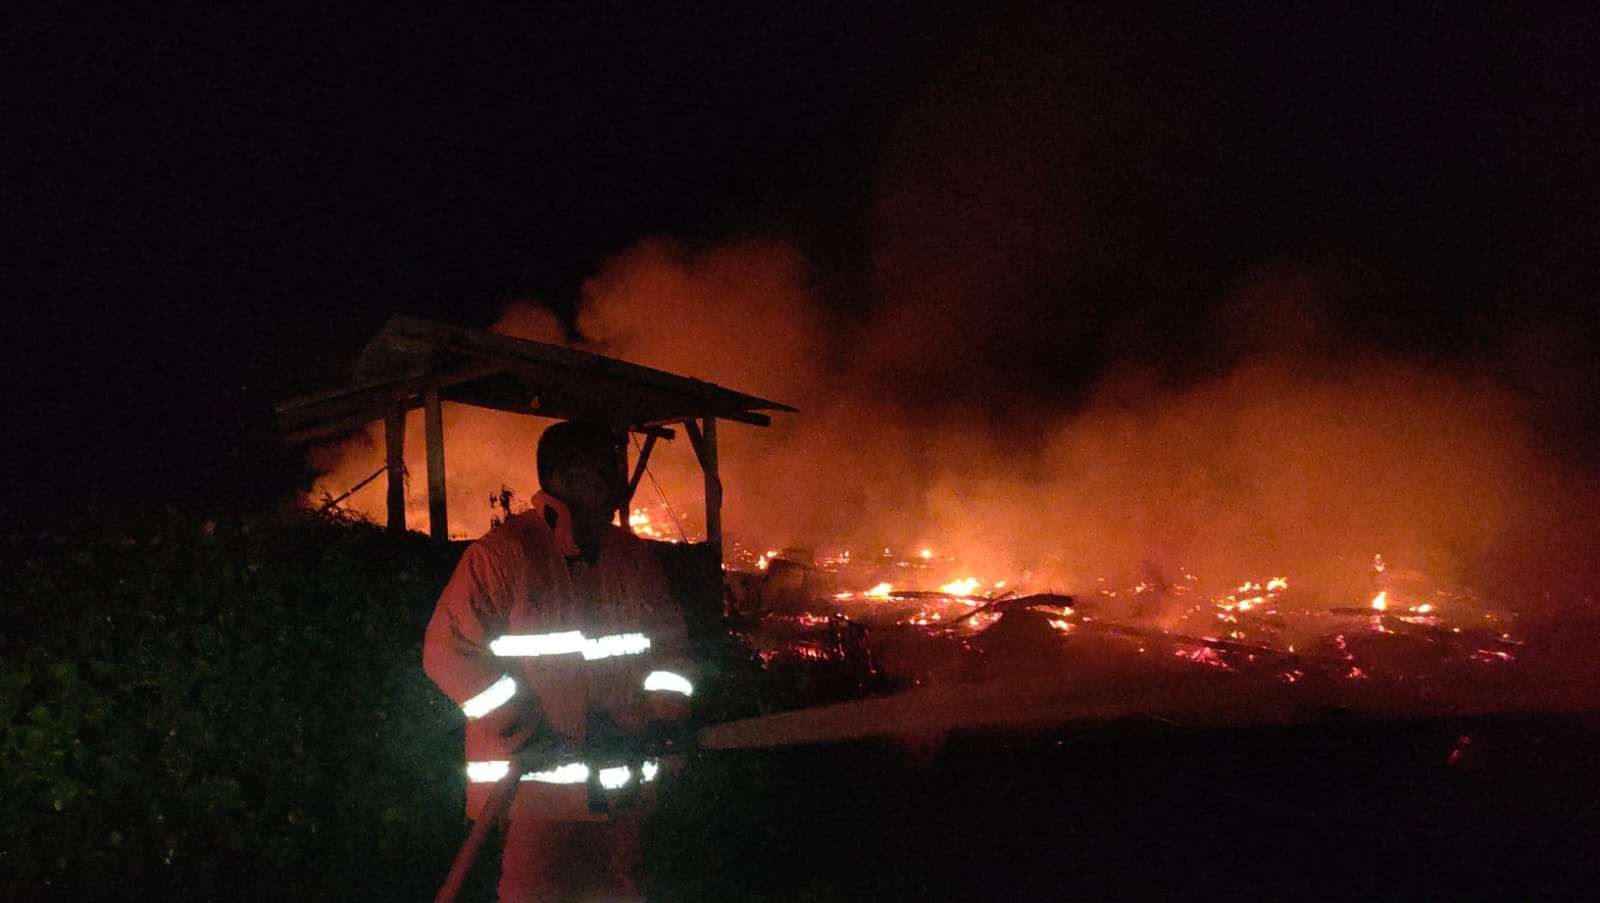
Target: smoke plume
[{"x": 1000, "y": 389}]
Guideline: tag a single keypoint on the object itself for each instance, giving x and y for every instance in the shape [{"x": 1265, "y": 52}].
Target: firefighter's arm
[
  {"x": 669, "y": 682},
  {"x": 456, "y": 653}
]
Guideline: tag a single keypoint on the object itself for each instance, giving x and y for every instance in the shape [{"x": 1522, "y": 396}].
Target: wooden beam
[
  {"x": 713, "y": 488},
  {"x": 394, "y": 448},
  {"x": 749, "y": 417},
  {"x": 371, "y": 400},
  {"x": 619, "y": 444},
  {"x": 338, "y": 425},
  {"x": 438, "y": 520},
  {"x": 312, "y": 435},
  {"x": 419, "y": 336},
  {"x": 309, "y": 399},
  {"x": 697, "y": 441}
]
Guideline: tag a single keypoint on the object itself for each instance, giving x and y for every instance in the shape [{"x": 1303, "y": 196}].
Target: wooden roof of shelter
[
  {"x": 491, "y": 370},
  {"x": 415, "y": 363}
]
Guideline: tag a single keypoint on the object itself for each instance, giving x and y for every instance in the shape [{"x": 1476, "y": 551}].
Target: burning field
[
  {"x": 1261, "y": 650},
  {"x": 1313, "y": 515}
]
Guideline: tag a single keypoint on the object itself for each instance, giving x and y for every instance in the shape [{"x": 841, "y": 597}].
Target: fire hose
[
  {"x": 495, "y": 809},
  {"x": 914, "y": 713}
]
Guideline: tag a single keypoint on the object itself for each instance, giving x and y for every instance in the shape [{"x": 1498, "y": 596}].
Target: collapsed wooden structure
[{"x": 415, "y": 363}]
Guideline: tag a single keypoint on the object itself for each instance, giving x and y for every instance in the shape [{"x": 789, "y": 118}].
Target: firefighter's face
[{"x": 590, "y": 490}]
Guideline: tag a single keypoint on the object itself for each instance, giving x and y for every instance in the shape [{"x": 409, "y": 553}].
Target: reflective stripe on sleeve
[
  {"x": 615, "y": 778},
  {"x": 668, "y": 682},
  {"x": 568, "y": 642},
  {"x": 570, "y": 773},
  {"x": 617, "y": 644},
  {"x": 612, "y": 778},
  {"x": 487, "y": 772},
  {"x": 498, "y": 694}
]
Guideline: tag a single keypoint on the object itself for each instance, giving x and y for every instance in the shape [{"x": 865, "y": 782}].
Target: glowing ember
[
  {"x": 639, "y": 520},
  {"x": 1255, "y": 626},
  {"x": 1202, "y": 655}
]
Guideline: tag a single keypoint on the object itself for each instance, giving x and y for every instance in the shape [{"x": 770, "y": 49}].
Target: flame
[
  {"x": 881, "y": 591},
  {"x": 925, "y": 554},
  {"x": 639, "y": 522},
  {"x": 1380, "y": 602},
  {"x": 963, "y": 587}
]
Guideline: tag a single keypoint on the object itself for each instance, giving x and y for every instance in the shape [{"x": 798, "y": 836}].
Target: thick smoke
[{"x": 1003, "y": 392}]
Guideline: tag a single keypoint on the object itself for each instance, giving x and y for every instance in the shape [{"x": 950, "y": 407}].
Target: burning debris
[{"x": 1404, "y": 641}]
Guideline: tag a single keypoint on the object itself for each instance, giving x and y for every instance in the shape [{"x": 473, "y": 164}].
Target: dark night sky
[{"x": 211, "y": 207}]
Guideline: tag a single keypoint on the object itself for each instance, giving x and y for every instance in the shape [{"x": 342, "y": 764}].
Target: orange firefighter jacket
[{"x": 523, "y": 622}]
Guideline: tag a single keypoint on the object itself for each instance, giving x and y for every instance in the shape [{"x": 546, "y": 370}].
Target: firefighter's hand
[
  {"x": 513, "y": 724},
  {"x": 661, "y": 706}
]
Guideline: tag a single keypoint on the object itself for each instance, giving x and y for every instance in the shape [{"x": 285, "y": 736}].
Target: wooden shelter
[{"x": 415, "y": 363}]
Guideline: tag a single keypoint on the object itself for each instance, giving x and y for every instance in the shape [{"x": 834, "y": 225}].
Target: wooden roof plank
[
  {"x": 490, "y": 370},
  {"x": 400, "y": 329}
]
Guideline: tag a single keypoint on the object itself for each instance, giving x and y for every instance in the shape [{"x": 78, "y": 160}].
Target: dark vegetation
[
  {"x": 200, "y": 708},
  {"x": 195, "y": 707}
]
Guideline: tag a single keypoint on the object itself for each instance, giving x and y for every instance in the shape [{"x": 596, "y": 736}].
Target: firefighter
[{"x": 557, "y": 634}]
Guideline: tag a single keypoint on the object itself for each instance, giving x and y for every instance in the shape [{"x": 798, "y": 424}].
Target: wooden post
[
  {"x": 619, "y": 441},
  {"x": 438, "y": 522},
  {"x": 713, "y": 488},
  {"x": 394, "y": 449}
]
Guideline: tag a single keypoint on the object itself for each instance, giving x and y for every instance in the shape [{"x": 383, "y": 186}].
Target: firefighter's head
[{"x": 578, "y": 464}]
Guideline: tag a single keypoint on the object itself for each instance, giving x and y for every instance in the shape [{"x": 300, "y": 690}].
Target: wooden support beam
[
  {"x": 394, "y": 447},
  {"x": 619, "y": 444},
  {"x": 697, "y": 440},
  {"x": 713, "y": 489},
  {"x": 706, "y": 448},
  {"x": 438, "y": 520}
]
